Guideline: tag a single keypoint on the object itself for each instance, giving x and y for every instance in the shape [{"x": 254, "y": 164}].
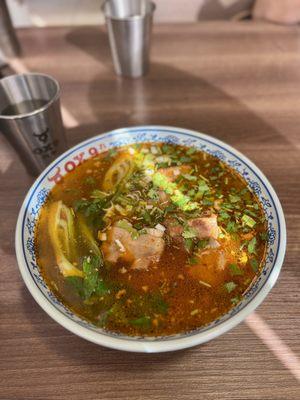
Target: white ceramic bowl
[{"x": 71, "y": 159}]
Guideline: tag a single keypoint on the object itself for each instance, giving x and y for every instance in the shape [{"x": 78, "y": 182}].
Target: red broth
[{"x": 151, "y": 239}]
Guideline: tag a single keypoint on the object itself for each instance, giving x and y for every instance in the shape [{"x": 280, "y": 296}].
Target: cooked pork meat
[{"x": 140, "y": 252}]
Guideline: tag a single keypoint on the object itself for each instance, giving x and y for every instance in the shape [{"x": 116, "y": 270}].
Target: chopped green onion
[{"x": 248, "y": 221}]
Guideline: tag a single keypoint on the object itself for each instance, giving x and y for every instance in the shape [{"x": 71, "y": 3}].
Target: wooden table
[{"x": 237, "y": 81}]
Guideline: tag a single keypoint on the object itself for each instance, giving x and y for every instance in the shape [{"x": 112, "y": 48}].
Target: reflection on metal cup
[
  {"x": 129, "y": 24},
  {"x": 30, "y": 118}
]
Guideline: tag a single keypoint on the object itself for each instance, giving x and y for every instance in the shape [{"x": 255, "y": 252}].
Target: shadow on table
[
  {"x": 92, "y": 40},
  {"x": 167, "y": 96}
]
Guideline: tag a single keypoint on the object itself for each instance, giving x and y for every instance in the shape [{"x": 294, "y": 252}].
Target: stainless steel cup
[
  {"x": 129, "y": 24},
  {"x": 30, "y": 118}
]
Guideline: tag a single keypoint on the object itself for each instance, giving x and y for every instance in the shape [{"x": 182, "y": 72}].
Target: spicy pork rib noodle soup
[{"x": 151, "y": 239}]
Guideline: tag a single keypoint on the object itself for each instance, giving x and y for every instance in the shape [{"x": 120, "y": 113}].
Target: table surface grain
[{"x": 236, "y": 81}]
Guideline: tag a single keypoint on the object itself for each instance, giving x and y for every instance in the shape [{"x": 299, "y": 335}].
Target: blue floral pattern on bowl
[{"x": 75, "y": 156}]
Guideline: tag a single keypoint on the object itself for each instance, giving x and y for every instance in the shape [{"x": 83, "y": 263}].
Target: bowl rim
[{"x": 155, "y": 346}]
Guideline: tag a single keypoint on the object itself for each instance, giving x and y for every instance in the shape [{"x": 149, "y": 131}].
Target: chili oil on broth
[{"x": 211, "y": 239}]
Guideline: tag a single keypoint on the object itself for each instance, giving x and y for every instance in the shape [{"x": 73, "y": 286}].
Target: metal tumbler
[
  {"x": 129, "y": 24},
  {"x": 30, "y": 118}
]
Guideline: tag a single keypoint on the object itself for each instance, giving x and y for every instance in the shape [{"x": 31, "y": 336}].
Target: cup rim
[
  {"x": 39, "y": 109},
  {"x": 133, "y": 18}
]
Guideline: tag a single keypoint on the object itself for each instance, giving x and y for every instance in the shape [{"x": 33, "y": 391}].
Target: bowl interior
[{"x": 25, "y": 246}]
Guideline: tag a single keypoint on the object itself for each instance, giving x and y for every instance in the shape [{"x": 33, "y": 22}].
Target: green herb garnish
[
  {"x": 89, "y": 180},
  {"x": 234, "y": 198},
  {"x": 263, "y": 236},
  {"x": 235, "y": 270},
  {"x": 223, "y": 215},
  {"x": 235, "y": 300},
  {"x": 193, "y": 260},
  {"x": 247, "y": 220},
  {"x": 231, "y": 227},
  {"x": 254, "y": 264},
  {"x": 124, "y": 224},
  {"x": 202, "y": 187},
  {"x": 252, "y": 245},
  {"x": 188, "y": 244},
  {"x": 189, "y": 232},
  {"x": 91, "y": 283},
  {"x": 230, "y": 286},
  {"x": 182, "y": 201},
  {"x": 202, "y": 243},
  {"x": 189, "y": 177},
  {"x": 142, "y": 322}
]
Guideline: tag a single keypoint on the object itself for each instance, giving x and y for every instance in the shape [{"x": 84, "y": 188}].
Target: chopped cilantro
[
  {"x": 158, "y": 304},
  {"x": 234, "y": 198},
  {"x": 124, "y": 224},
  {"x": 89, "y": 180},
  {"x": 202, "y": 243},
  {"x": 231, "y": 227},
  {"x": 142, "y": 322},
  {"x": 252, "y": 245},
  {"x": 263, "y": 236},
  {"x": 111, "y": 153},
  {"x": 207, "y": 202},
  {"x": 235, "y": 270},
  {"x": 91, "y": 283},
  {"x": 202, "y": 187},
  {"x": 189, "y": 232},
  {"x": 189, "y": 177},
  {"x": 235, "y": 300},
  {"x": 152, "y": 194},
  {"x": 254, "y": 264},
  {"x": 230, "y": 286},
  {"x": 166, "y": 148},
  {"x": 223, "y": 215},
  {"x": 188, "y": 244},
  {"x": 77, "y": 284},
  {"x": 146, "y": 217},
  {"x": 185, "y": 159},
  {"x": 191, "y": 151},
  {"x": 193, "y": 260}
]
